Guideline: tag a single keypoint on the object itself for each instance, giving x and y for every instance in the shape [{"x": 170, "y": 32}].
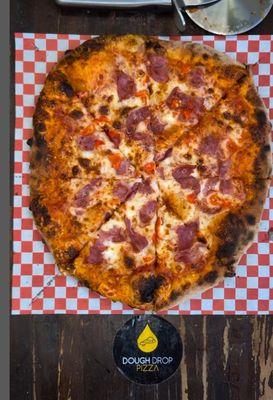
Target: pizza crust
[
  {"x": 261, "y": 134},
  {"x": 201, "y": 49}
]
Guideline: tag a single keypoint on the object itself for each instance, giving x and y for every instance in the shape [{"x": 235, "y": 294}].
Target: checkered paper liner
[{"x": 37, "y": 285}]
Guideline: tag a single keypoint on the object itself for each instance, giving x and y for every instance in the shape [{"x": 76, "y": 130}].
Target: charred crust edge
[
  {"x": 148, "y": 286},
  {"x": 232, "y": 234},
  {"x": 40, "y": 212},
  {"x": 210, "y": 278}
]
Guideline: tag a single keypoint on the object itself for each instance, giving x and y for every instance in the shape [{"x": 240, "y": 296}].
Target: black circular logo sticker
[{"x": 147, "y": 349}]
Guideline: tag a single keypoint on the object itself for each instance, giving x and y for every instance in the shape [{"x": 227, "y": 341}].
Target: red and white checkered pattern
[{"x": 37, "y": 286}]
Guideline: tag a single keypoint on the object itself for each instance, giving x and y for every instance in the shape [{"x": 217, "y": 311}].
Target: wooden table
[{"x": 62, "y": 357}]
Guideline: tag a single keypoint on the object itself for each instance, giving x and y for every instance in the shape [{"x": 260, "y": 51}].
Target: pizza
[{"x": 150, "y": 165}]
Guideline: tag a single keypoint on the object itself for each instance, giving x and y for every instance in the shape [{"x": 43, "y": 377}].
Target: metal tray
[{"x": 229, "y": 17}]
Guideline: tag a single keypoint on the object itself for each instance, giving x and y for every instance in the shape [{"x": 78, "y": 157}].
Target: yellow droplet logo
[{"x": 147, "y": 341}]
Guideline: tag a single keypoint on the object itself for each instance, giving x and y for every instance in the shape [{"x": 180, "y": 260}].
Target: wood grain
[
  {"x": 46, "y": 16},
  {"x": 70, "y": 358}
]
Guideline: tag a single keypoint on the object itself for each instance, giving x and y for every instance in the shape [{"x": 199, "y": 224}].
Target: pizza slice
[
  {"x": 119, "y": 260},
  {"x": 187, "y": 80},
  {"x": 231, "y": 141},
  {"x": 117, "y": 97},
  {"x": 67, "y": 142},
  {"x": 66, "y": 212},
  {"x": 201, "y": 241}
]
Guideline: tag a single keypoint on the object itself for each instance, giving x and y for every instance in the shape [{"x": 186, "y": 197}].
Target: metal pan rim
[{"x": 231, "y": 32}]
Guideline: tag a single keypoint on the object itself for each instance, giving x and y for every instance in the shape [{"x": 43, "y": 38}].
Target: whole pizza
[{"x": 150, "y": 165}]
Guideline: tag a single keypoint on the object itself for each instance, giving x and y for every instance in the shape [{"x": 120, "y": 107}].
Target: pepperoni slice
[
  {"x": 156, "y": 126},
  {"x": 192, "y": 256},
  {"x": 82, "y": 197},
  {"x": 178, "y": 100},
  {"x": 186, "y": 235},
  {"x": 122, "y": 191},
  {"x": 209, "y": 145},
  {"x": 233, "y": 187},
  {"x": 210, "y": 185},
  {"x": 138, "y": 241},
  {"x": 145, "y": 187},
  {"x": 144, "y": 137},
  {"x": 182, "y": 171},
  {"x": 135, "y": 117},
  {"x": 196, "y": 77},
  {"x": 147, "y": 211},
  {"x": 89, "y": 142},
  {"x": 116, "y": 235},
  {"x": 224, "y": 167},
  {"x": 190, "y": 183},
  {"x": 157, "y": 68},
  {"x": 182, "y": 176},
  {"x": 126, "y": 86},
  {"x": 160, "y": 171},
  {"x": 168, "y": 153},
  {"x": 161, "y": 157},
  {"x": 226, "y": 187},
  {"x": 96, "y": 253}
]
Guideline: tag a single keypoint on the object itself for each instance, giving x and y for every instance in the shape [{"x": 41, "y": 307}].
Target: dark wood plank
[
  {"x": 262, "y": 350},
  {"x": 239, "y": 359},
  {"x": 70, "y": 357},
  {"x": 46, "y": 16},
  {"x": 21, "y": 362},
  {"x": 217, "y": 355},
  {"x": 46, "y": 344},
  {"x": 194, "y": 350}
]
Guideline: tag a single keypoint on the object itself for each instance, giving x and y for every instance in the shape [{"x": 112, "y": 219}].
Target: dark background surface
[
  {"x": 45, "y": 16},
  {"x": 62, "y": 357}
]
